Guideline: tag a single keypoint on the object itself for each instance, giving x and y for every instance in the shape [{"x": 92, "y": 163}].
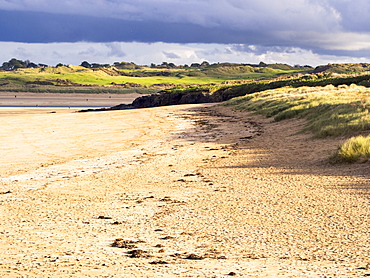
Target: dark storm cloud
[
  {"x": 231, "y": 14},
  {"x": 319, "y": 25},
  {"x": 20, "y": 26},
  {"x": 354, "y": 15}
]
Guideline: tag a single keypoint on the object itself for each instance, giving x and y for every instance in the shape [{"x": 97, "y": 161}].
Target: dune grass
[
  {"x": 330, "y": 112},
  {"x": 354, "y": 149}
]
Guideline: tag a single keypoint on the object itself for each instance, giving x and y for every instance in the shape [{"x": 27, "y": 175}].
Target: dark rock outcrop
[
  {"x": 170, "y": 98},
  {"x": 162, "y": 99}
]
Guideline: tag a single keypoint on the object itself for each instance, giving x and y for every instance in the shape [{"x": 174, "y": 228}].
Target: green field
[
  {"x": 97, "y": 77},
  {"x": 142, "y": 79}
]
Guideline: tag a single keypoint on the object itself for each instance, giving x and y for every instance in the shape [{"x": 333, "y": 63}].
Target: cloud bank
[
  {"x": 147, "y": 53},
  {"x": 337, "y": 28}
]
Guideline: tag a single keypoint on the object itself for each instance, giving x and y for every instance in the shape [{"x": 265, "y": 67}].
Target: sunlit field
[{"x": 144, "y": 78}]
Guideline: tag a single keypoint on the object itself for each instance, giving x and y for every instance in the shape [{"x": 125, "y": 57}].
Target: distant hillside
[
  {"x": 223, "y": 92},
  {"x": 25, "y": 76},
  {"x": 343, "y": 68},
  {"x": 127, "y": 77}
]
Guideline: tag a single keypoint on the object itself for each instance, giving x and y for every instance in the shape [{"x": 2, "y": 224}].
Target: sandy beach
[{"x": 177, "y": 191}]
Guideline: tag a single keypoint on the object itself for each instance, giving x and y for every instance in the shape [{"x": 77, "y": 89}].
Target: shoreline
[{"x": 9, "y": 99}]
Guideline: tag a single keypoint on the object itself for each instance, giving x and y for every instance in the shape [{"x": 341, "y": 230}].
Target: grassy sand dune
[{"x": 329, "y": 112}]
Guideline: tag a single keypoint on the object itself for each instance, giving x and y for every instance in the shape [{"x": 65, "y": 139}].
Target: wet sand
[
  {"x": 8, "y": 99},
  {"x": 179, "y": 191}
]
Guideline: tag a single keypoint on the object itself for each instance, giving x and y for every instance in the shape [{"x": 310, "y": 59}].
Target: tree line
[{"x": 14, "y": 64}]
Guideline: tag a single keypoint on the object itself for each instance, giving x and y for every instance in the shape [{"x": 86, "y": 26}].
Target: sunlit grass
[
  {"x": 142, "y": 76},
  {"x": 102, "y": 79},
  {"x": 330, "y": 111},
  {"x": 354, "y": 149}
]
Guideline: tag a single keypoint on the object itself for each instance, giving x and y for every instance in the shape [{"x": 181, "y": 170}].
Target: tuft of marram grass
[{"x": 354, "y": 149}]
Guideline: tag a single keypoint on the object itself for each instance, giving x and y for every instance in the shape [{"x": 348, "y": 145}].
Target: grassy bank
[
  {"x": 75, "y": 89},
  {"x": 330, "y": 112},
  {"x": 144, "y": 76}
]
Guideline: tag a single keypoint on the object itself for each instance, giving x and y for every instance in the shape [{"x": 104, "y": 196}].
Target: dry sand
[{"x": 181, "y": 191}]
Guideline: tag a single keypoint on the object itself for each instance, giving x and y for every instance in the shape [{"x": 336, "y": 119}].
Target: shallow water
[{"x": 64, "y": 100}]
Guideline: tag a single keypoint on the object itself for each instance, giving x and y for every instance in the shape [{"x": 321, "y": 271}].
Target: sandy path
[{"x": 199, "y": 191}]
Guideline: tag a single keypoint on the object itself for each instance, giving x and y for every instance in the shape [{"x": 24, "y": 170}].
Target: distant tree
[
  {"x": 125, "y": 65},
  {"x": 14, "y": 64},
  {"x": 98, "y": 66},
  {"x": 164, "y": 65},
  {"x": 204, "y": 64},
  {"x": 195, "y": 65},
  {"x": 262, "y": 64},
  {"x": 86, "y": 64},
  {"x": 5, "y": 66},
  {"x": 59, "y": 65},
  {"x": 32, "y": 65}
]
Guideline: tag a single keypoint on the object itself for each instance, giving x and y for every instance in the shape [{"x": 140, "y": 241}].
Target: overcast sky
[{"x": 301, "y": 32}]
